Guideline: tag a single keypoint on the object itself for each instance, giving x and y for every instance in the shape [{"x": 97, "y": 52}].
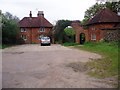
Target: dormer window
[
  {"x": 41, "y": 30},
  {"x": 23, "y": 30}
]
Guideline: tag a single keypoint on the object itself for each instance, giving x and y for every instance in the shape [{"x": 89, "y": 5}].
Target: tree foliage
[
  {"x": 59, "y": 33},
  {"x": 10, "y": 28},
  {"x": 69, "y": 31},
  {"x": 0, "y": 26},
  {"x": 70, "y": 34},
  {"x": 89, "y": 13}
]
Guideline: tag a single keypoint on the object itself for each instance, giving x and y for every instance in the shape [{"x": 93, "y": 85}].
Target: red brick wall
[
  {"x": 78, "y": 30},
  {"x": 92, "y": 29},
  {"x": 96, "y": 29},
  {"x": 33, "y": 34}
]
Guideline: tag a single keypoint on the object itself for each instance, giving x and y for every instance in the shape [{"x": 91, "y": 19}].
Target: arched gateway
[{"x": 80, "y": 33}]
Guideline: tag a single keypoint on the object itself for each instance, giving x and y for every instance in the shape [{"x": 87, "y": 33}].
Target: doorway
[{"x": 82, "y": 38}]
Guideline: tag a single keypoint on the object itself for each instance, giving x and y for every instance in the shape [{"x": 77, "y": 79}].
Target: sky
[{"x": 53, "y": 9}]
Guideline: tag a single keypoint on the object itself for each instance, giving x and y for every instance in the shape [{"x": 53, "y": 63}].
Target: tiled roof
[
  {"x": 104, "y": 16},
  {"x": 35, "y": 22}
]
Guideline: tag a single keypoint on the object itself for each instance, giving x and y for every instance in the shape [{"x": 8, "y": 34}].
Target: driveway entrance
[{"x": 35, "y": 66}]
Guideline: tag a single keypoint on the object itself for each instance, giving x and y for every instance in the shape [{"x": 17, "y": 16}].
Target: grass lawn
[
  {"x": 2, "y": 46},
  {"x": 70, "y": 44},
  {"x": 106, "y": 66}
]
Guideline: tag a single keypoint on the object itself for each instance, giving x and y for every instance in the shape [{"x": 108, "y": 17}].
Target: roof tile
[
  {"x": 103, "y": 16},
  {"x": 35, "y": 22}
]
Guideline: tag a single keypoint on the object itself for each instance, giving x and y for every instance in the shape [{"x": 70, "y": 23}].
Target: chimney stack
[
  {"x": 40, "y": 13},
  {"x": 30, "y": 14}
]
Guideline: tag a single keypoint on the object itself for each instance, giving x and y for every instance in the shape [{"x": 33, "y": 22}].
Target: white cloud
[{"x": 53, "y": 9}]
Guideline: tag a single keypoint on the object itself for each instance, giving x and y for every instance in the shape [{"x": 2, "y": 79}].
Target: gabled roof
[
  {"x": 34, "y": 22},
  {"x": 104, "y": 16}
]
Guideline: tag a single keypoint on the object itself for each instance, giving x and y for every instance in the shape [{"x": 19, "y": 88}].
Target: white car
[{"x": 45, "y": 41}]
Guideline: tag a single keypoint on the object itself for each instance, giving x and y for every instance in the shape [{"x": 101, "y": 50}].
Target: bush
[
  {"x": 10, "y": 29},
  {"x": 20, "y": 41}
]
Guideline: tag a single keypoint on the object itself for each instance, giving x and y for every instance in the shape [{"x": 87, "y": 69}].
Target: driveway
[{"x": 35, "y": 66}]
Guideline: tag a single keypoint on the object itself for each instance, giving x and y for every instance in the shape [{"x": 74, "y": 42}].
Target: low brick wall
[{"x": 112, "y": 35}]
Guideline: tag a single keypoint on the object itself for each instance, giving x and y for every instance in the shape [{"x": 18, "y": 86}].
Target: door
[{"x": 82, "y": 38}]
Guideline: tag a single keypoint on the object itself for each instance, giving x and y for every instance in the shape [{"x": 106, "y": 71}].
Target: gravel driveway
[{"x": 35, "y": 66}]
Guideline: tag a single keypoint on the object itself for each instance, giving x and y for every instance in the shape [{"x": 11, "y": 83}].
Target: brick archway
[
  {"x": 78, "y": 30},
  {"x": 62, "y": 24}
]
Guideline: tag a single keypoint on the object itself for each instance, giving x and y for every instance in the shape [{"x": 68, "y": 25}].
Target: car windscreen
[{"x": 45, "y": 38}]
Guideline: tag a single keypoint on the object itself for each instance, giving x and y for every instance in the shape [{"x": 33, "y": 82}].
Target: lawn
[
  {"x": 70, "y": 44},
  {"x": 106, "y": 66},
  {"x": 2, "y": 46}
]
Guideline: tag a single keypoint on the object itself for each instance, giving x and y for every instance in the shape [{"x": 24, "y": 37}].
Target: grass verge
[
  {"x": 108, "y": 65},
  {"x": 2, "y": 46},
  {"x": 70, "y": 44}
]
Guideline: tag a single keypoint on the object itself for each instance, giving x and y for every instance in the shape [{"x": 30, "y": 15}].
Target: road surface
[{"x": 35, "y": 66}]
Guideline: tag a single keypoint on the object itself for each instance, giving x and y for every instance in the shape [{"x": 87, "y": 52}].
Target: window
[
  {"x": 42, "y": 30},
  {"x": 24, "y": 37},
  {"x": 93, "y": 28},
  {"x": 23, "y": 30},
  {"x": 93, "y": 37}
]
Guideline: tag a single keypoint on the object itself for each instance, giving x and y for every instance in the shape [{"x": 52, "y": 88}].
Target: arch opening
[
  {"x": 69, "y": 35},
  {"x": 59, "y": 33}
]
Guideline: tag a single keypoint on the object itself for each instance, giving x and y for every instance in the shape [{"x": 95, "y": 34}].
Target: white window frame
[
  {"x": 24, "y": 37},
  {"x": 93, "y": 36},
  {"x": 23, "y": 30},
  {"x": 42, "y": 30}
]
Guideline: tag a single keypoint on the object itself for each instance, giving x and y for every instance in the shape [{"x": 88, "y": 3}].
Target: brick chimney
[
  {"x": 30, "y": 14},
  {"x": 40, "y": 13}
]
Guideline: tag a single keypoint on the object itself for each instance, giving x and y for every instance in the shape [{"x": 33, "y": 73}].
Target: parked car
[{"x": 45, "y": 41}]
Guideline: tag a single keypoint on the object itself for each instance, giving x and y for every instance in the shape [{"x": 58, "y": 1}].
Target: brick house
[
  {"x": 33, "y": 28},
  {"x": 101, "y": 24},
  {"x": 105, "y": 25}
]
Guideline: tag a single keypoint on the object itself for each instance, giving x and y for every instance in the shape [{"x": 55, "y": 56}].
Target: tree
[
  {"x": 70, "y": 34},
  {"x": 59, "y": 29},
  {"x": 10, "y": 28},
  {"x": 114, "y": 6},
  {"x": 69, "y": 31},
  {"x": 9, "y": 16},
  {"x": 89, "y": 13}
]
